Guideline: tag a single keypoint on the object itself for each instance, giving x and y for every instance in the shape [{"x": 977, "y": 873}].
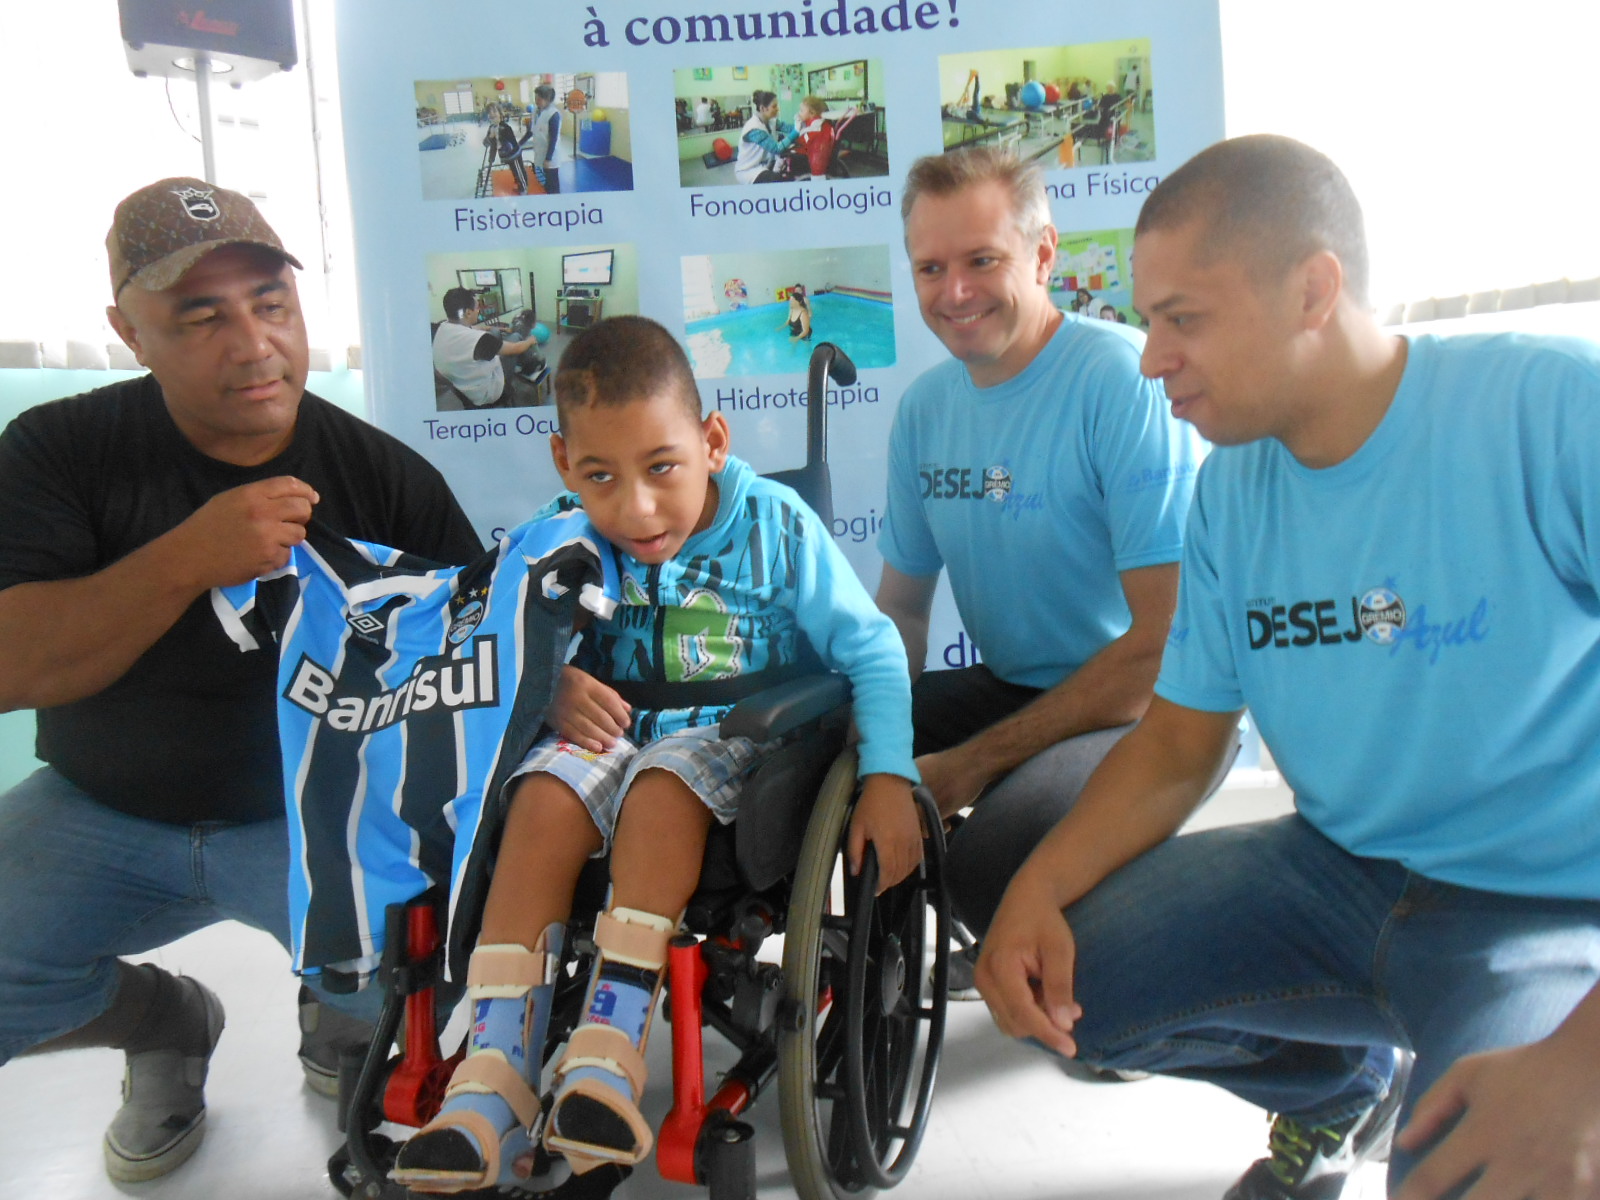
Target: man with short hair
[
  {"x": 469, "y": 357},
  {"x": 1046, "y": 476},
  {"x": 1391, "y": 561},
  {"x": 160, "y": 809}
]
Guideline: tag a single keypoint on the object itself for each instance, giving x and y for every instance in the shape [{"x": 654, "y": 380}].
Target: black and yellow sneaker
[{"x": 1312, "y": 1162}]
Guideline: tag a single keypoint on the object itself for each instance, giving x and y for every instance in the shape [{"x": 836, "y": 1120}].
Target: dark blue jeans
[
  {"x": 947, "y": 708},
  {"x": 81, "y": 884},
  {"x": 1267, "y": 960}
]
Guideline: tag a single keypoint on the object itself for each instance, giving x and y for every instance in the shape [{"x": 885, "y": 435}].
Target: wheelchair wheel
[{"x": 859, "y": 1050}]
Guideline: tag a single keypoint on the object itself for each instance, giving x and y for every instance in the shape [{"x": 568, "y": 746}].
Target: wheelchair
[{"x": 849, "y": 1025}]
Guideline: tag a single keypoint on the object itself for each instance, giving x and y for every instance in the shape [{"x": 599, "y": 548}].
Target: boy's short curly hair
[{"x": 620, "y": 360}]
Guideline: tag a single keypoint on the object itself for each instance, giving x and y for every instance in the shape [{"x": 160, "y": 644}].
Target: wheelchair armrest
[{"x": 785, "y": 707}]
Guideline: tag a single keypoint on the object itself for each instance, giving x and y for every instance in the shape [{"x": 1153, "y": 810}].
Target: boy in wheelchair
[{"x": 726, "y": 579}]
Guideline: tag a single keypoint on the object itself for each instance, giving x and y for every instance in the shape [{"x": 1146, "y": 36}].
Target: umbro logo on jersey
[
  {"x": 449, "y": 682},
  {"x": 367, "y": 625}
]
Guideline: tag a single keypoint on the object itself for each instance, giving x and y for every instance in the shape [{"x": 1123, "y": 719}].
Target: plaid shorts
[{"x": 713, "y": 767}]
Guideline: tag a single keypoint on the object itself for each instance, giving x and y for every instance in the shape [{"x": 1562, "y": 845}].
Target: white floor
[{"x": 1007, "y": 1123}]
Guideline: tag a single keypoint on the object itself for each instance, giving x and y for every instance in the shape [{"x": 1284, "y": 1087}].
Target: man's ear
[
  {"x": 718, "y": 437},
  {"x": 126, "y": 331},
  {"x": 1321, "y": 287},
  {"x": 1048, "y": 240}
]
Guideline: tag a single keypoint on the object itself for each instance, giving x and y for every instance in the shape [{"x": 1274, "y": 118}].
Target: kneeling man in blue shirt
[{"x": 1392, "y": 560}]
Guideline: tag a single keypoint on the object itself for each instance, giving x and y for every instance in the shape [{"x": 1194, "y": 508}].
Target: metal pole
[
  {"x": 316, "y": 144},
  {"x": 202, "y": 85}
]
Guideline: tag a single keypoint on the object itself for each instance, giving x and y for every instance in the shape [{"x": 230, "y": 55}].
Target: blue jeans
[
  {"x": 82, "y": 884},
  {"x": 1267, "y": 960},
  {"x": 1012, "y": 817}
]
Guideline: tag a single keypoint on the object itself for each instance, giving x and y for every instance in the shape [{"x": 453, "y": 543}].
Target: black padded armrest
[{"x": 785, "y": 707}]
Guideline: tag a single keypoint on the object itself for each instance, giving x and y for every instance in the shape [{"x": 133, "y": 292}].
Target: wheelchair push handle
[{"x": 827, "y": 360}]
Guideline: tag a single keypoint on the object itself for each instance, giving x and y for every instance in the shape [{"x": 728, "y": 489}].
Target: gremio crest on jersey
[
  {"x": 466, "y": 621},
  {"x": 466, "y": 679}
]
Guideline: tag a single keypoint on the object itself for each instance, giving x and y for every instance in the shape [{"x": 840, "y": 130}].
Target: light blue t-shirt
[
  {"x": 1417, "y": 629},
  {"x": 1036, "y": 492}
]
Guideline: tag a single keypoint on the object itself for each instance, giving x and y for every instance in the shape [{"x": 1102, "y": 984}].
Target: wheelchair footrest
[{"x": 597, "y": 1184}]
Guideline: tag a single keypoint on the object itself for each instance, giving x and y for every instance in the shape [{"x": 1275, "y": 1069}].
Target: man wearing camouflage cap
[{"x": 159, "y": 810}]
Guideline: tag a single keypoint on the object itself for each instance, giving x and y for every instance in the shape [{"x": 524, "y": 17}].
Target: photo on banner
[
  {"x": 763, "y": 313},
  {"x": 831, "y": 118},
  {"x": 1093, "y": 275},
  {"x": 526, "y": 304},
  {"x": 527, "y": 134},
  {"x": 1066, "y": 105}
]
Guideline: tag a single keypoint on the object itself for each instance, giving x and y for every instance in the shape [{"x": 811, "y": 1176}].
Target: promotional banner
[{"x": 529, "y": 169}]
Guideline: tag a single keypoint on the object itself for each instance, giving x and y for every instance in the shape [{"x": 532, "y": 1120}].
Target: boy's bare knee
[
  {"x": 544, "y": 798},
  {"x": 658, "y": 781}
]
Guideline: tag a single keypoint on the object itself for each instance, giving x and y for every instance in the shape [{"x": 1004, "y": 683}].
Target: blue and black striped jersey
[{"x": 407, "y": 695}]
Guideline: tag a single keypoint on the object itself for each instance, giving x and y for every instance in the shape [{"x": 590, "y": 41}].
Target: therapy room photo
[
  {"x": 763, "y": 313},
  {"x": 1089, "y": 104},
  {"x": 524, "y": 135},
  {"x": 528, "y": 302},
  {"x": 1093, "y": 275},
  {"x": 781, "y": 121}
]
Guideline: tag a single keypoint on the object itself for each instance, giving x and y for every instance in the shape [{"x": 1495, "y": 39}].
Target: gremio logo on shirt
[
  {"x": 439, "y": 682},
  {"x": 966, "y": 483}
]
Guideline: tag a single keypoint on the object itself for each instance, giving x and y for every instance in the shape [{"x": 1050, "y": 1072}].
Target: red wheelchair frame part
[
  {"x": 680, "y": 1131},
  {"x": 415, "y": 1088}
]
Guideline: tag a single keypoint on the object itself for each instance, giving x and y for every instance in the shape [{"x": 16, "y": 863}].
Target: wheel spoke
[
  {"x": 840, "y": 1157},
  {"x": 883, "y": 1079},
  {"x": 900, "y": 1043},
  {"x": 831, "y": 1044}
]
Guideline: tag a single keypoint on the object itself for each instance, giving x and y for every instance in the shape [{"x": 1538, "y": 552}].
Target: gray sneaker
[
  {"x": 163, "y": 1113},
  {"x": 324, "y": 1032}
]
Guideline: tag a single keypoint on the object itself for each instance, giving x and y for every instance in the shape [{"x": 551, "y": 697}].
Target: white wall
[{"x": 1467, "y": 127}]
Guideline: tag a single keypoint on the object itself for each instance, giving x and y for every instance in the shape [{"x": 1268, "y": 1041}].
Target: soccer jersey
[
  {"x": 1417, "y": 628},
  {"x": 407, "y": 695},
  {"x": 1036, "y": 492}
]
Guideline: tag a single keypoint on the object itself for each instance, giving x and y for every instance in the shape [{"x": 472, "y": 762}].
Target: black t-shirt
[{"x": 189, "y": 732}]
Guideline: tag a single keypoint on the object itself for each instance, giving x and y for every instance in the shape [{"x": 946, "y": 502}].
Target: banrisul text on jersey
[{"x": 450, "y": 682}]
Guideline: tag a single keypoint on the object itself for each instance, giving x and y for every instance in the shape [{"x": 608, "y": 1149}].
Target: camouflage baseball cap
[{"x": 162, "y": 230}]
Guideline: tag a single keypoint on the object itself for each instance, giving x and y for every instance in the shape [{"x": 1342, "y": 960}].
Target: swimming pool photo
[{"x": 755, "y": 340}]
